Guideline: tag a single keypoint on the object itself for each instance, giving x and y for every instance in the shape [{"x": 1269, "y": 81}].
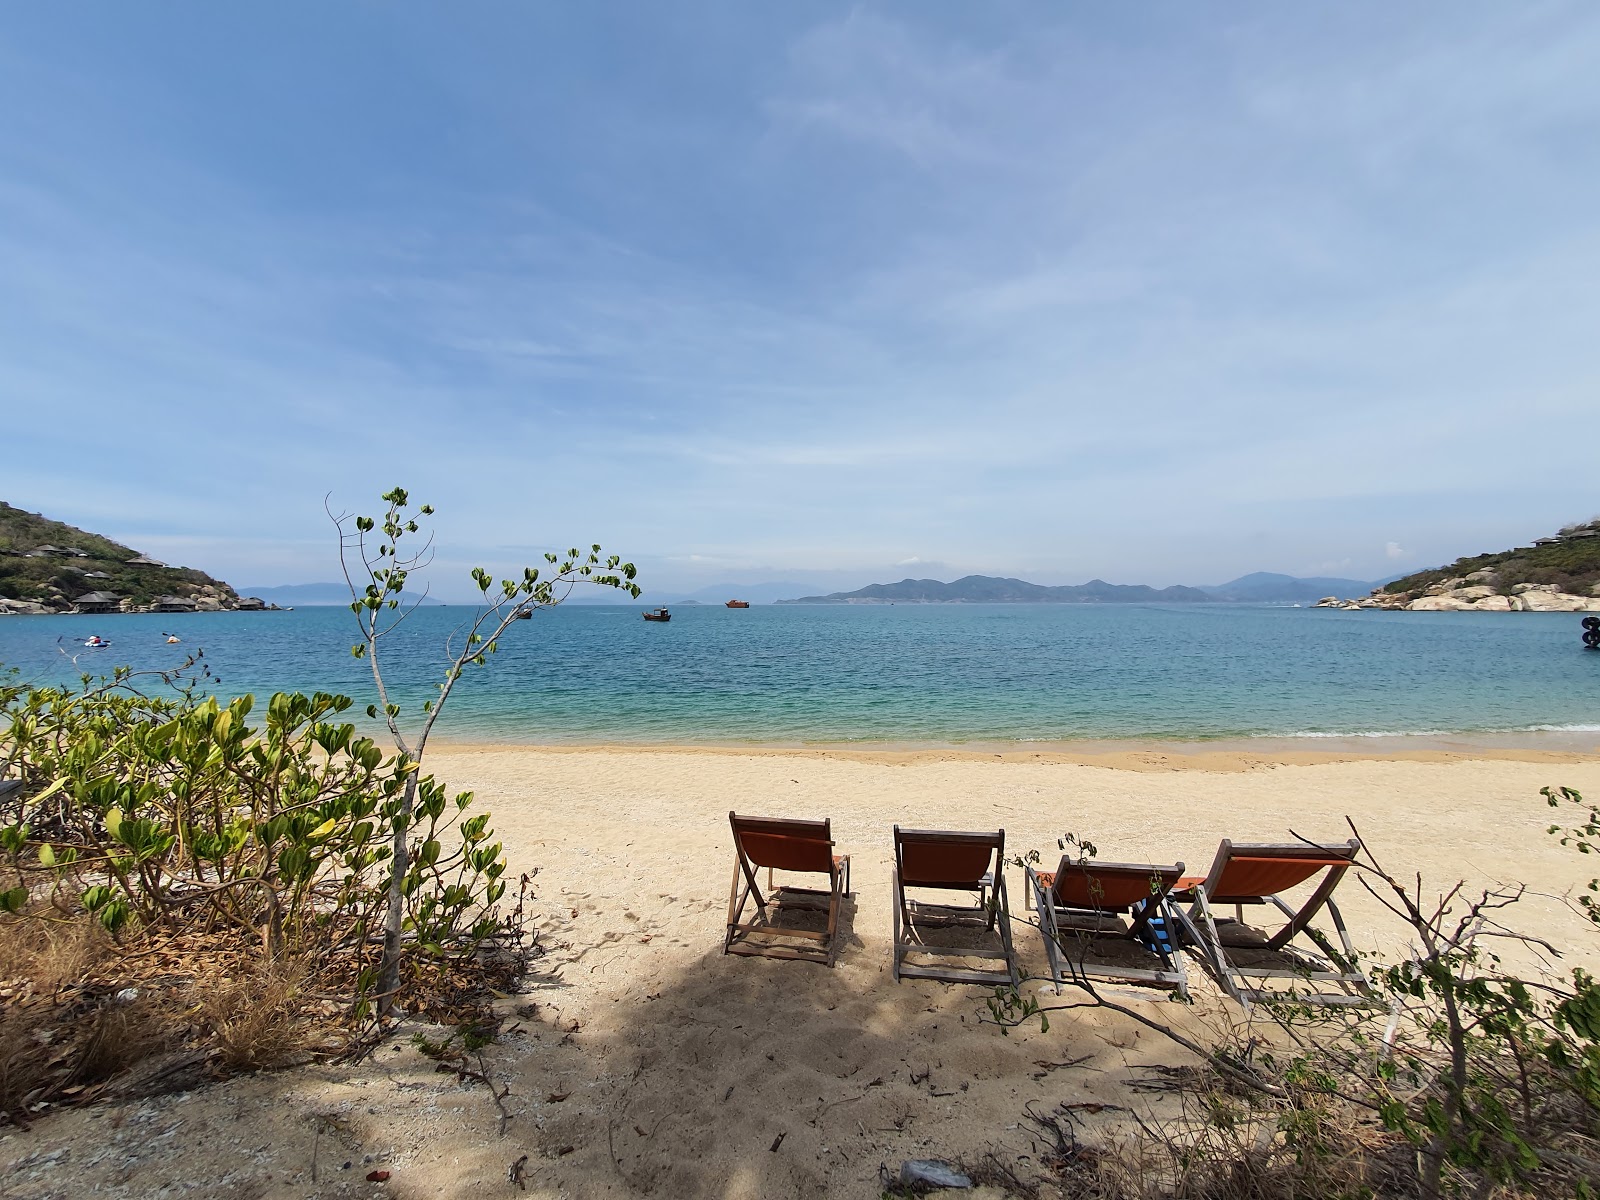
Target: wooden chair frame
[
  {"x": 991, "y": 912},
  {"x": 1298, "y": 862},
  {"x": 1139, "y": 891},
  {"x": 778, "y": 844}
]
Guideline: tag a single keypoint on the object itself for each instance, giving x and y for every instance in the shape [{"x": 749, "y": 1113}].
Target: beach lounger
[
  {"x": 1105, "y": 920},
  {"x": 946, "y": 860},
  {"x": 795, "y": 847},
  {"x": 1245, "y": 958}
]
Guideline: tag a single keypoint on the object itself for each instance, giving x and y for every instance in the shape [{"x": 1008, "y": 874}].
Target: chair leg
[
  {"x": 735, "y": 906},
  {"x": 833, "y": 923},
  {"x": 895, "y": 904},
  {"x": 1174, "y": 961},
  {"x": 1045, "y": 908},
  {"x": 1211, "y": 941},
  {"x": 1002, "y": 910}
]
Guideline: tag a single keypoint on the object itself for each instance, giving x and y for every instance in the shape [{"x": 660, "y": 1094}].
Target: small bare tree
[{"x": 377, "y": 576}]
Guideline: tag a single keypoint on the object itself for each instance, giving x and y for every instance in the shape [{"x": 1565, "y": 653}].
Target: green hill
[
  {"x": 1570, "y": 560},
  {"x": 53, "y": 563}
]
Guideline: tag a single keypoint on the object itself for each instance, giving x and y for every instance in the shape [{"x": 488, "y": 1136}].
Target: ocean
[{"x": 913, "y": 675}]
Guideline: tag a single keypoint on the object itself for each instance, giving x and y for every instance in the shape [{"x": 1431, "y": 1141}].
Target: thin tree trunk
[{"x": 394, "y": 918}]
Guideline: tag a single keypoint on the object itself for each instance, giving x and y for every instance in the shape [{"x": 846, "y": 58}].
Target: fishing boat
[
  {"x": 657, "y": 614},
  {"x": 738, "y": 604}
]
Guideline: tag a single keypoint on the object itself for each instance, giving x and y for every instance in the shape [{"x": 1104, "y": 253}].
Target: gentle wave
[{"x": 1423, "y": 733}]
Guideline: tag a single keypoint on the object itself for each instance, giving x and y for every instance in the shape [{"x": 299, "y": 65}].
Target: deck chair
[
  {"x": 1259, "y": 874},
  {"x": 797, "y": 847},
  {"x": 1117, "y": 915},
  {"x": 946, "y": 860}
]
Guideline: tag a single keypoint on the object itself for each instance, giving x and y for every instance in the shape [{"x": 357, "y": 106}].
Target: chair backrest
[
  {"x": 1250, "y": 872},
  {"x": 783, "y": 845},
  {"x": 946, "y": 858},
  {"x": 1108, "y": 886}
]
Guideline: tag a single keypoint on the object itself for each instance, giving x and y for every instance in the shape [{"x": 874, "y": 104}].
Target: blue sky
[{"x": 828, "y": 293}]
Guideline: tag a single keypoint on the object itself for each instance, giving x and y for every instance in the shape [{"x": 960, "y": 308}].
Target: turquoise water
[{"x": 913, "y": 674}]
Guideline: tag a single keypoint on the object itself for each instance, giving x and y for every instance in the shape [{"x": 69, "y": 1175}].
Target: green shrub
[{"x": 167, "y": 815}]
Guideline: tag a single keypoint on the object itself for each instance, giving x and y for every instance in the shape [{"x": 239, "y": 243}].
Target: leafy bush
[{"x": 161, "y": 816}]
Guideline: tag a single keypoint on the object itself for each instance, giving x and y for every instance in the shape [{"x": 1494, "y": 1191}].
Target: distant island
[
  {"x": 984, "y": 589},
  {"x": 1560, "y": 573},
  {"x": 50, "y": 567}
]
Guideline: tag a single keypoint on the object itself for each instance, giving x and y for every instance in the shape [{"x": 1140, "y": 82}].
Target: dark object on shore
[
  {"x": 657, "y": 614},
  {"x": 1591, "y": 633}
]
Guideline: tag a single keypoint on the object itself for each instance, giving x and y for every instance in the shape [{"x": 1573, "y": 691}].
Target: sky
[{"x": 830, "y": 293}]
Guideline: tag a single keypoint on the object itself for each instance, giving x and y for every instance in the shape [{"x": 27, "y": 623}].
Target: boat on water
[
  {"x": 657, "y": 614},
  {"x": 738, "y": 604}
]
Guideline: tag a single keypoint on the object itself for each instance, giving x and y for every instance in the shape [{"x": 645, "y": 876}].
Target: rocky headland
[
  {"x": 1469, "y": 595},
  {"x": 48, "y": 566},
  {"x": 1555, "y": 574}
]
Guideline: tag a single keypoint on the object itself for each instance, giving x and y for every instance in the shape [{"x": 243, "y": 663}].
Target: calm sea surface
[{"x": 912, "y": 674}]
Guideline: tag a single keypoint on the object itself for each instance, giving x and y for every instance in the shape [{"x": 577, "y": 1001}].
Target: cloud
[{"x": 1393, "y": 550}]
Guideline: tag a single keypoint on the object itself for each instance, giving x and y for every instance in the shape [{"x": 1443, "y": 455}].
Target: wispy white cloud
[{"x": 1046, "y": 294}]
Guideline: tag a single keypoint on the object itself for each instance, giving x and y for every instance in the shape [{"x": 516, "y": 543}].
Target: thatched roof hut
[{"x": 98, "y": 602}]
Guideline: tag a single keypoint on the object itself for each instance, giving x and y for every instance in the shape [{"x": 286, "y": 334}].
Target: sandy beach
[{"x": 642, "y": 1061}]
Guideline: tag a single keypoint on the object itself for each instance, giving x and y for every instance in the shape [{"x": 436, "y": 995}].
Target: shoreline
[{"x": 1130, "y": 754}]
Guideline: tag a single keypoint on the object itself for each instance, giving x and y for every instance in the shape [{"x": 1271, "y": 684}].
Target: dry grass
[
  {"x": 44, "y": 954},
  {"x": 257, "y": 1018},
  {"x": 1327, "y": 1155},
  {"x": 82, "y": 1015},
  {"x": 65, "y": 1031}
]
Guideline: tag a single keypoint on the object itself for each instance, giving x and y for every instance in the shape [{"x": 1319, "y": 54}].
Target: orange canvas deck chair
[
  {"x": 947, "y": 860},
  {"x": 1244, "y": 958},
  {"x": 796, "y": 847},
  {"x": 1105, "y": 920}
]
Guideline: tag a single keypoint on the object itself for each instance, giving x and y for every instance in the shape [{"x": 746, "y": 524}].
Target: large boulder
[
  {"x": 1541, "y": 601},
  {"x": 1493, "y": 604},
  {"x": 1475, "y": 593},
  {"x": 1439, "y": 604}
]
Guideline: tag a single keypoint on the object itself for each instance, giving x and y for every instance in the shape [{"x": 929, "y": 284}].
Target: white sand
[{"x": 681, "y": 1067}]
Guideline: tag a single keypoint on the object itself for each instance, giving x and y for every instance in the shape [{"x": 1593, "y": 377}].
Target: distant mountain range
[
  {"x": 1259, "y": 588},
  {"x": 1262, "y": 587},
  {"x": 984, "y": 589}
]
